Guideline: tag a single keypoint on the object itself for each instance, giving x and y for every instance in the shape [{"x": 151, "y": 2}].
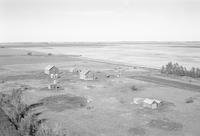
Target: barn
[{"x": 86, "y": 75}]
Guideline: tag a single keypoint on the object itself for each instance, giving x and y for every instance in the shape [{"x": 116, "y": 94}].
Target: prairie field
[
  {"x": 105, "y": 106},
  {"x": 147, "y": 55}
]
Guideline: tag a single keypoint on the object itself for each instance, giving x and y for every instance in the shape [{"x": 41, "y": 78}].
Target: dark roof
[
  {"x": 49, "y": 67},
  {"x": 85, "y": 71},
  {"x": 6, "y": 127}
]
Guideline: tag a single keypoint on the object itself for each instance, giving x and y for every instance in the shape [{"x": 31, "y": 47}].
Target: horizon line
[{"x": 49, "y": 42}]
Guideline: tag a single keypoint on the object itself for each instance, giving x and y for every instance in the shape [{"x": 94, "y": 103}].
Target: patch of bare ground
[
  {"x": 165, "y": 124},
  {"x": 59, "y": 88},
  {"x": 136, "y": 131},
  {"x": 31, "y": 75},
  {"x": 62, "y": 102},
  {"x": 9, "y": 87}
]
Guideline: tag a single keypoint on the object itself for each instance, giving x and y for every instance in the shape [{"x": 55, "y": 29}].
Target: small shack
[
  {"x": 146, "y": 102},
  {"x": 151, "y": 103},
  {"x": 86, "y": 75},
  {"x": 51, "y": 69}
]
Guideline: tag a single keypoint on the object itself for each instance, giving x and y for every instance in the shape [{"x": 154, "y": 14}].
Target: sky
[{"x": 99, "y": 20}]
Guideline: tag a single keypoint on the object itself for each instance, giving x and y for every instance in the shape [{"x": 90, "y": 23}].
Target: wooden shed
[
  {"x": 86, "y": 74},
  {"x": 151, "y": 103}
]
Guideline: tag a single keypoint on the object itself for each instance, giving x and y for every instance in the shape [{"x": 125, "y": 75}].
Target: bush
[
  {"x": 21, "y": 115},
  {"x": 24, "y": 118},
  {"x": 47, "y": 131},
  {"x": 49, "y": 54},
  {"x": 179, "y": 70},
  {"x": 29, "y": 53},
  {"x": 134, "y": 88}
]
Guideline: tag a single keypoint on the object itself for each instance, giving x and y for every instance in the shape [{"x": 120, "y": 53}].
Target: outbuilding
[
  {"x": 85, "y": 74},
  {"x": 151, "y": 103}
]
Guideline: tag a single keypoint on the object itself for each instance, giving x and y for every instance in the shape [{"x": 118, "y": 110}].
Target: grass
[
  {"x": 189, "y": 100},
  {"x": 62, "y": 102},
  {"x": 6, "y": 127},
  {"x": 24, "y": 117},
  {"x": 165, "y": 125},
  {"x": 56, "y": 131},
  {"x": 21, "y": 115},
  {"x": 137, "y": 131}
]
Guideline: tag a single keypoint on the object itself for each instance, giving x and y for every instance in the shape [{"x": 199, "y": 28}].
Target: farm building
[
  {"x": 51, "y": 70},
  {"x": 146, "y": 102},
  {"x": 151, "y": 103},
  {"x": 86, "y": 75}
]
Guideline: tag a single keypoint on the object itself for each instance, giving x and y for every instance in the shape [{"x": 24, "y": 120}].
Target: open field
[
  {"x": 147, "y": 55},
  {"x": 104, "y": 107}
]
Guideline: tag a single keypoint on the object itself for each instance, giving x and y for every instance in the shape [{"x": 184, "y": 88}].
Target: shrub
[
  {"x": 179, "y": 70},
  {"x": 189, "y": 100},
  {"x": 134, "y": 88},
  {"x": 29, "y": 53},
  {"x": 49, "y": 54},
  {"x": 47, "y": 131},
  {"x": 24, "y": 118},
  {"x": 21, "y": 115}
]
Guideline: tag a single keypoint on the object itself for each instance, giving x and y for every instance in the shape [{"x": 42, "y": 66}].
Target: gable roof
[
  {"x": 85, "y": 71},
  {"x": 151, "y": 101},
  {"x": 49, "y": 67}
]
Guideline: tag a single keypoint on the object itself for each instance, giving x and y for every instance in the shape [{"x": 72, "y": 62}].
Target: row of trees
[{"x": 179, "y": 70}]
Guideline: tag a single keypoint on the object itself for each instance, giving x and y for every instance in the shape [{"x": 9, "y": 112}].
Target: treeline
[{"x": 179, "y": 70}]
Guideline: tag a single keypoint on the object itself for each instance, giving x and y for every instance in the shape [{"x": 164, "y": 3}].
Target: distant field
[
  {"x": 142, "y": 54},
  {"x": 185, "y": 46},
  {"x": 104, "y": 107}
]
